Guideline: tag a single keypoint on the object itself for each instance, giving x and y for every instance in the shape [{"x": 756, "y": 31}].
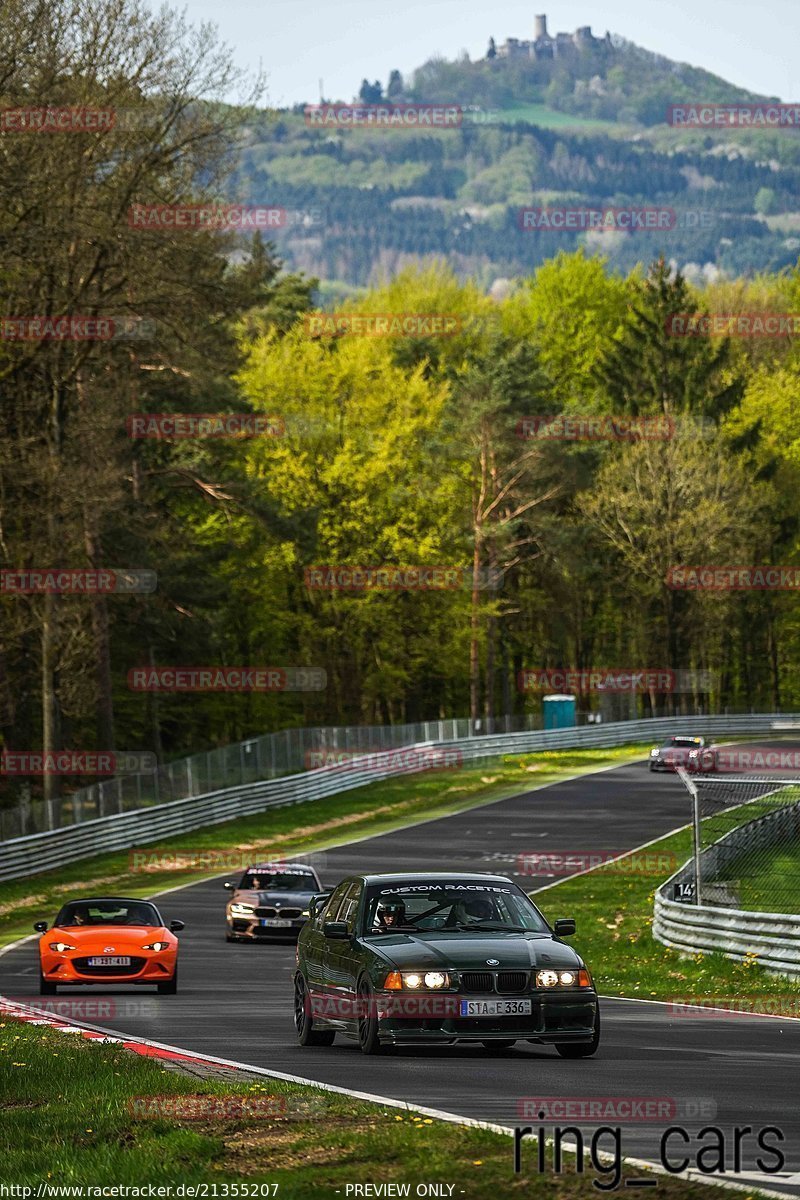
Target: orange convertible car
[{"x": 108, "y": 941}]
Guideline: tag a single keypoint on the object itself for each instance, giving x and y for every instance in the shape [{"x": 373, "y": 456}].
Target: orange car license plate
[{"x": 119, "y": 960}]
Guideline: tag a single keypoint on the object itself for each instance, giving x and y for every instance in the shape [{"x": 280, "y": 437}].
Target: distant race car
[
  {"x": 675, "y": 752},
  {"x": 439, "y": 958},
  {"x": 269, "y": 900},
  {"x": 107, "y": 941}
]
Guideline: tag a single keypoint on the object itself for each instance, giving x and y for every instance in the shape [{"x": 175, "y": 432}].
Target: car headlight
[
  {"x": 550, "y": 979},
  {"x": 415, "y": 980},
  {"x": 242, "y": 910},
  {"x": 305, "y": 913},
  {"x": 435, "y": 979},
  {"x": 60, "y": 947},
  {"x": 157, "y": 946},
  {"x": 654, "y": 753}
]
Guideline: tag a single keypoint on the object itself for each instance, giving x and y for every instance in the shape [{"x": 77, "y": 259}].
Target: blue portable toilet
[{"x": 559, "y": 711}]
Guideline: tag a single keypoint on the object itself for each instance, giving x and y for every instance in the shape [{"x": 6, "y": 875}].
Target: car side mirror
[
  {"x": 564, "y": 926},
  {"x": 229, "y": 887},
  {"x": 337, "y": 931},
  {"x": 317, "y": 902},
  {"x": 41, "y": 927},
  {"x": 177, "y": 926}
]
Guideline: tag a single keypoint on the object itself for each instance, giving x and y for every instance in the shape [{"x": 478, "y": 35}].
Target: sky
[{"x": 300, "y": 42}]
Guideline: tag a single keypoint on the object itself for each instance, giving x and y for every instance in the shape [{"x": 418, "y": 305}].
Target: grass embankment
[
  {"x": 613, "y": 907},
  {"x": 67, "y": 1120},
  {"x": 303, "y": 828}
]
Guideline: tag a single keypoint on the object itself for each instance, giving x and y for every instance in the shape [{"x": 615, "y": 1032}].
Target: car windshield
[
  {"x": 279, "y": 881},
  {"x": 681, "y": 743},
  {"x": 458, "y": 906},
  {"x": 108, "y": 912}
]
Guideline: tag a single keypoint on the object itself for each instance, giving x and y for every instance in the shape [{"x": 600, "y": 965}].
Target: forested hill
[
  {"x": 587, "y": 128},
  {"x": 605, "y": 78}
]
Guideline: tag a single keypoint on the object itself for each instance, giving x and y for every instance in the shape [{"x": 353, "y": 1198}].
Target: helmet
[
  {"x": 479, "y": 907},
  {"x": 391, "y": 913}
]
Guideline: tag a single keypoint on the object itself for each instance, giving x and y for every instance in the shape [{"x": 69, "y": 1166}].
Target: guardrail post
[{"x": 691, "y": 788}]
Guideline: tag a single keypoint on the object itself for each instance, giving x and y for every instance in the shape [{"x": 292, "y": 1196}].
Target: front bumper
[
  {"x": 565, "y": 1018},
  {"x": 153, "y": 967},
  {"x": 253, "y": 929}
]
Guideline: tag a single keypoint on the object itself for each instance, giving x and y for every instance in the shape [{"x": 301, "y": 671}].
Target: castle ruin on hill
[{"x": 545, "y": 46}]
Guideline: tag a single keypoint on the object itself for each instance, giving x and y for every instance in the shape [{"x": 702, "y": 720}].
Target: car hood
[
  {"x": 470, "y": 951},
  {"x": 121, "y": 937},
  {"x": 290, "y": 899}
]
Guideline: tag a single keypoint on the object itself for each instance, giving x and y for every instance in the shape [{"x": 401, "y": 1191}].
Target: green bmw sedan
[{"x": 437, "y": 959}]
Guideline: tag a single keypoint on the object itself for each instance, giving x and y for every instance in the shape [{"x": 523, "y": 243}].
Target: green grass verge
[
  {"x": 771, "y": 883},
  {"x": 315, "y": 825},
  {"x": 613, "y": 907},
  {"x": 67, "y": 1120}
]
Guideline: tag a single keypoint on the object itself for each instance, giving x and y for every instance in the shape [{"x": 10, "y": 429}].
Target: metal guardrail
[
  {"x": 119, "y": 831},
  {"x": 772, "y": 938},
  {"x": 268, "y": 756}
]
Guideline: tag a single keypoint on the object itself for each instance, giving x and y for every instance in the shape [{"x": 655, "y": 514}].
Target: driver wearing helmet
[
  {"x": 391, "y": 913},
  {"x": 475, "y": 909}
]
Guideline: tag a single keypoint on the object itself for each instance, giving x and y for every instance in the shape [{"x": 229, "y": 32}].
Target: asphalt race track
[{"x": 235, "y": 1000}]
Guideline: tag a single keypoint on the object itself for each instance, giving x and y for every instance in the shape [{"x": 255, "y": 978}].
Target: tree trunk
[
  {"x": 474, "y": 654},
  {"x": 102, "y": 643},
  {"x": 51, "y": 710},
  {"x": 775, "y": 676}
]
